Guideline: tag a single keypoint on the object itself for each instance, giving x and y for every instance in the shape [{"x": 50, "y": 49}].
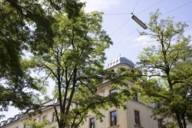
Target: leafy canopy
[
  {"x": 26, "y": 27},
  {"x": 166, "y": 69}
]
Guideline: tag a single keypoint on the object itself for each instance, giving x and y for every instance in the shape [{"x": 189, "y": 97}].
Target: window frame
[
  {"x": 92, "y": 122},
  {"x": 113, "y": 123},
  {"x": 160, "y": 123},
  {"x": 137, "y": 117}
]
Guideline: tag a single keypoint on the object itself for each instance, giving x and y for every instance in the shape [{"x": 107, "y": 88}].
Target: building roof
[
  {"x": 22, "y": 115},
  {"x": 120, "y": 60}
]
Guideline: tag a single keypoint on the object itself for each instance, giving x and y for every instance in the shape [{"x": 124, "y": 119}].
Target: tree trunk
[
  {"x": 62, "y": 125},
  {"x": 184, "y": 121},
  {"x": 181, "y": 121}
]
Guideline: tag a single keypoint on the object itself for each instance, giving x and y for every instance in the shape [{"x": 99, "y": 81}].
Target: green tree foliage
[
  {"x": 71, "y": 7},
  {"x": 75, "y": 64},
  {"x": 37, "y": 124},
  {"x": 167, "y": 72},
  {"x": 26, "y": 25}
]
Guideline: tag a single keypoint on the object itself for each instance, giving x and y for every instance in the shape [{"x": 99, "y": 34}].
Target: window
[
  {"x": 137, "y": 118},
  {"x": 92, "y": 123},
  {"x": 160, "y": 123},
  {"x": 113, "y": 118}
]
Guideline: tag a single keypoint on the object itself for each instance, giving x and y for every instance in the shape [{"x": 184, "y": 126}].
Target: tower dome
[{"x": 120, "y": 61}]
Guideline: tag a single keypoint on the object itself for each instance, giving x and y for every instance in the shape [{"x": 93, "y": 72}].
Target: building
[{"x": 135, "y": 115}]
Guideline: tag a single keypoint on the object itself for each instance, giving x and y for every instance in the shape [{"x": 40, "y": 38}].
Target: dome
[{"x": 120, "y": 60}]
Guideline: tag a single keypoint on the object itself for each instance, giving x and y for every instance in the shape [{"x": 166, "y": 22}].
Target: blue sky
[{"x": 124, "y": 31}]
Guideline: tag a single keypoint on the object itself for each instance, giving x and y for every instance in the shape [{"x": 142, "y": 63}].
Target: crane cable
[
  {"x": 124, "y": 23},
  {"x": 144, "y": 10},
  {"x": 178, "y": 7},
  {"x": 135, "y": 6},
  {"x": 144, "y": 26}
]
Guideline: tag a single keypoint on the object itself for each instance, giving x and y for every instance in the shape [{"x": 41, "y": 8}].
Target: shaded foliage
[
  {"x": 26, "y": 25},
  {"x": 32, "y": 123}
]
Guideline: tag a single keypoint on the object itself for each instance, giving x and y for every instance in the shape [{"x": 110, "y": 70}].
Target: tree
[
  {"x": 26, "y": 25},
  {"x": 75, "y": 64},
  {"x": 37, "y": 124},
  {"x": 16, "y": 36},
  {"x": 166, "y": 68}
]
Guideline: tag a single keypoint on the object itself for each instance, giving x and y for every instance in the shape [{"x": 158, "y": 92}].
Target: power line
[
  {"x": 119, "y": 27},
  {"x": 120, "y": 13},
  {"x": 130, "y": 34},
  {"x": 146, "y": 9},
  {"x": 135, "y": 6},
  {"x": 125, "y": 13},
  {"x": 169, "y": 11},
  {"x": 178, "y": 7}
]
